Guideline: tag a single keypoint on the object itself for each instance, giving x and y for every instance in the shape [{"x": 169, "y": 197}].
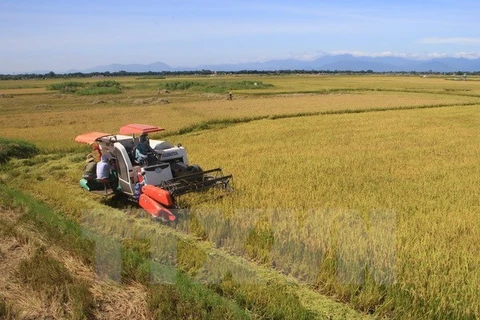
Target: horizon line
[{"x": 303, "y": 58}]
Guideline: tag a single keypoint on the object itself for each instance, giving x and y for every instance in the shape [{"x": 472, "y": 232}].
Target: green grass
[
  {"x": 186, "y": 300},
  {"x": 214, "y": 86},
  {"x": 66, "y": 87},
  {"x": 14, "y": 148},
  {"x": 98, "y": 90},
  {"x": 87, "y": 88},
  {"x": 6, "y": 311},
  {"x": 267, "y": 300}
]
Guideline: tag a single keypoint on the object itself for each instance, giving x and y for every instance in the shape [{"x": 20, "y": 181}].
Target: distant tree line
[{"x": 53, "y": 75}]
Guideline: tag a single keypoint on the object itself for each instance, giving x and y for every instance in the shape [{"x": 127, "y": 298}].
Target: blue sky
[{"x": 60, "y": 35}]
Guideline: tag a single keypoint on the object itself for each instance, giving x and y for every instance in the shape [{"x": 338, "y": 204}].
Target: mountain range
[{"x": 344, "y": 62}]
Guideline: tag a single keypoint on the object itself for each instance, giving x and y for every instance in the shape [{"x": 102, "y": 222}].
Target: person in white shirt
[{"x": 103, "y": 168}]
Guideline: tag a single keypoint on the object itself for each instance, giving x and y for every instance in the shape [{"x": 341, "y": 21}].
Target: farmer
[
  {"x": 90, "y": 169},
  {"x": 144, "y": 154},
  {"x": 103, "y": 168},
  {"x": 89, "y": 173},
  {"x": 96, "y": 148}
]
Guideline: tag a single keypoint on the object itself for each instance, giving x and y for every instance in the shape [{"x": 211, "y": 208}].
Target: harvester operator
[{"x": 144, "y": 154}]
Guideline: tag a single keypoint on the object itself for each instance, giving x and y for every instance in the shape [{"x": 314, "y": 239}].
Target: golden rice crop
[
  {"x": 375, "y": 208},
  {"x": 38, "y": 118},
  {"x": 372, "y": 207}
]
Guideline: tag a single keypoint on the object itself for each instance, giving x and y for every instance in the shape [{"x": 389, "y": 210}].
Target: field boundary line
[
  {"x": 357, "y": 90},
  {"x": 221, "y": 123}
]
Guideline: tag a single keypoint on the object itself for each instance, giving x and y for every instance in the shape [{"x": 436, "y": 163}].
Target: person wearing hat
[
  {"x": 143, "y": 151},
  {"x": 90, "y": 170}
]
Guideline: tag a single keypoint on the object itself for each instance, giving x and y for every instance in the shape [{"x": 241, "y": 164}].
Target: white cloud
[
  {"x": 380, "y": 54},
  {"x": 414, "y": 56},
  {"x": 458, "y": 40},
  {"x": 467, "y": 55}
]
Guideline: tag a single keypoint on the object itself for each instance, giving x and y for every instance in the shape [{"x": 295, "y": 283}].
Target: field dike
[
  {"x": 220, "y": 123},
  {"x": 172, "y": 255}
]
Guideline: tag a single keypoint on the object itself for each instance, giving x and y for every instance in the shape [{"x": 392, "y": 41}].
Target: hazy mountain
[
  {"x": 344, "y": 62},
  {"x": 360, "y": 66},
  {"x": 347, "y": 62},
  {"x": 154, "y": 67}
]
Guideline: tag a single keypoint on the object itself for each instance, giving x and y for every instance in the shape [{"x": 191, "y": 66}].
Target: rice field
[
  {"x": 362, "y": 187},
  {"x": 39, "y": 117},
  {"x": 377, "y": 208}
]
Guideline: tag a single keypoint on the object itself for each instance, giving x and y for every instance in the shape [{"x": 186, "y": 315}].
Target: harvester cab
[{"x": 155, "y": 183}]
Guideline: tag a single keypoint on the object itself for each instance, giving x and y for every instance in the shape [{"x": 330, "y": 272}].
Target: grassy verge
[
  {"x": 228, "y": 299},
  {"x": 49, "y": 277},
  {"x": 16, "y": 149}
]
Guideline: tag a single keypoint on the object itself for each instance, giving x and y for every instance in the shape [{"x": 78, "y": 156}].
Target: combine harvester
[{"x": 154, "y": 185}]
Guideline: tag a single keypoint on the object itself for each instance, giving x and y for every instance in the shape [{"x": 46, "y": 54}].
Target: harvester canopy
[
  {"x": 136, "y": 128},
  {"x": 91, "y": 137}
]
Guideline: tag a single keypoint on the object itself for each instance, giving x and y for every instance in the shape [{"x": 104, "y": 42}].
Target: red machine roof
[
  {"x": 90, "y": 137},
  {"x": 136, "y": 128}
]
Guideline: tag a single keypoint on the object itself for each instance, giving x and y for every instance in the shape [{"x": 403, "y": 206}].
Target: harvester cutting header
[{"x": 151, "y": 172}]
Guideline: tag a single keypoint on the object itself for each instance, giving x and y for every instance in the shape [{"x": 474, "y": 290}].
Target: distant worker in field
[
  {"x": 230, "y": 96},
  {"x": 144, "y": 154}
]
